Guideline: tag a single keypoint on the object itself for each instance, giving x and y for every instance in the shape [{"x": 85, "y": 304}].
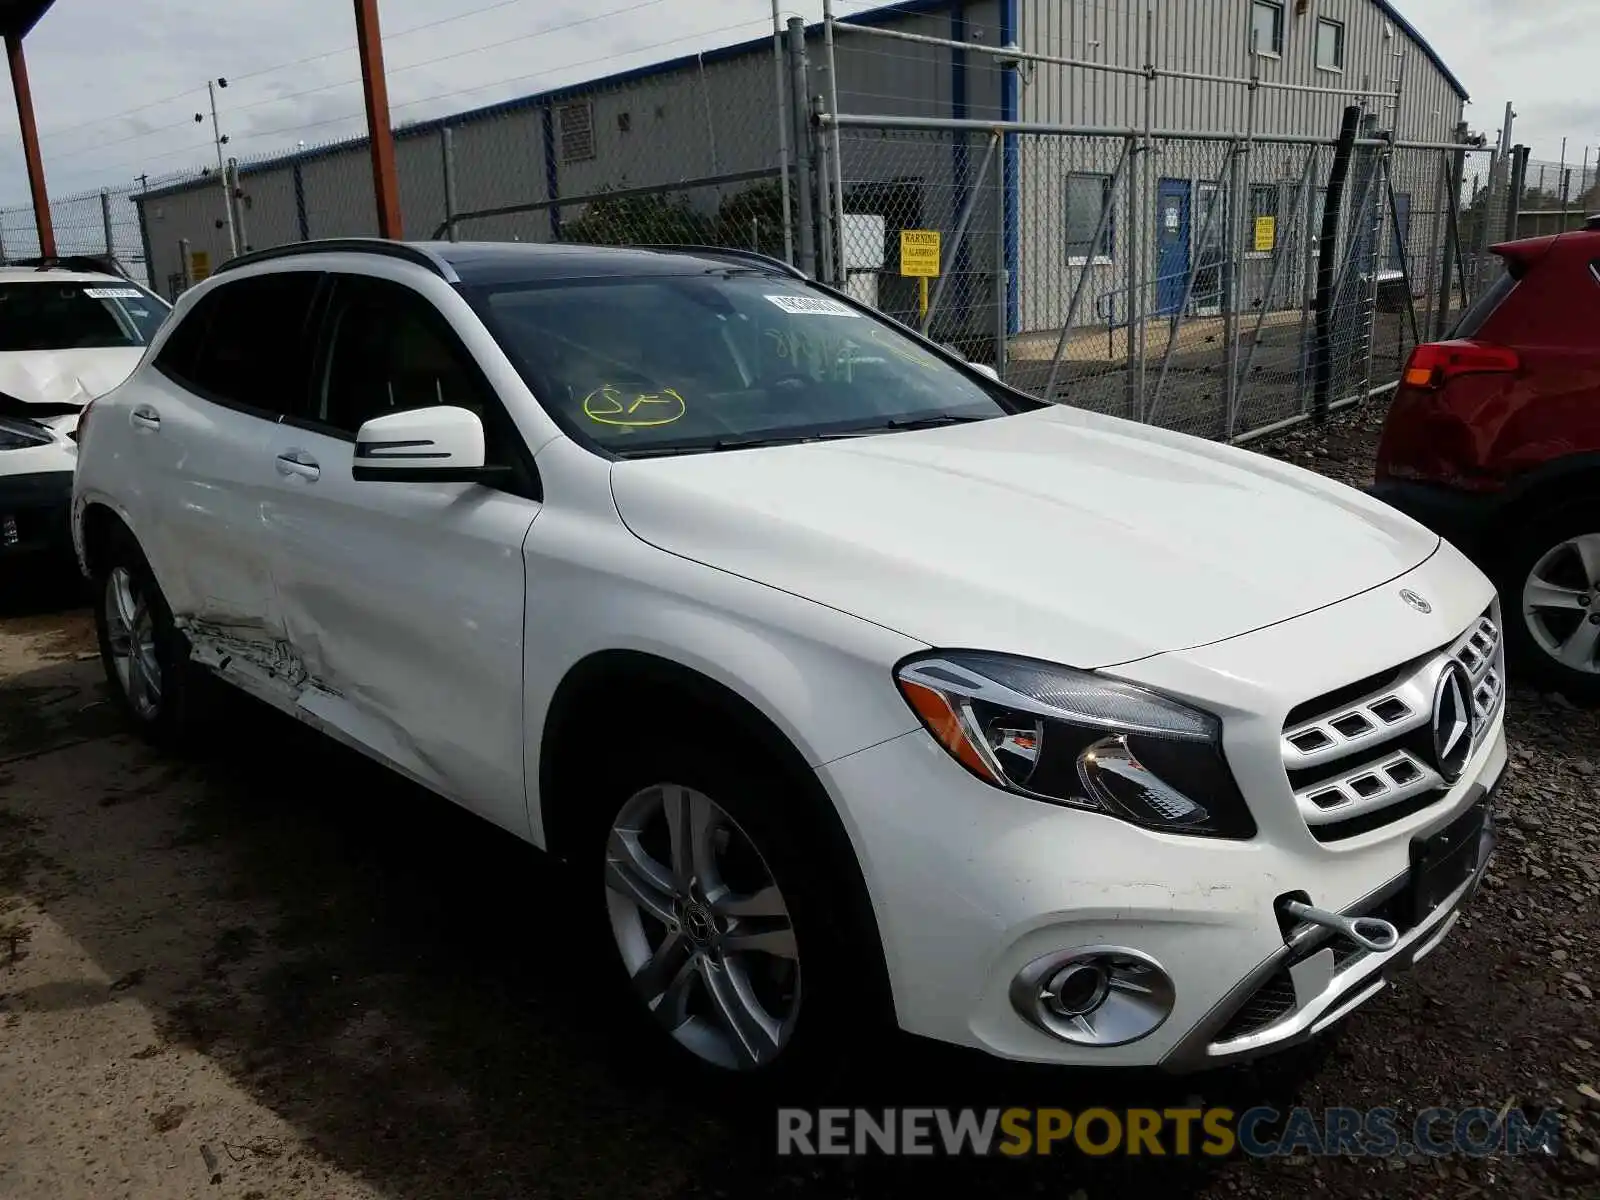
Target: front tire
[
  {"x": 146, "y": 659},
  {"x": 728, "y": 950},
  {"x": 1550, "y": 594}
]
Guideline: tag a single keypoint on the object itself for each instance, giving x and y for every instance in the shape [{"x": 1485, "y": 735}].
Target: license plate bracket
[{"x": 1443, "y": 862}]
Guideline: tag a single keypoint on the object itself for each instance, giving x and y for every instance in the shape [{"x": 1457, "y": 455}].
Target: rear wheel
[
  {"x": 1551, "y": 596},
  {"x": 146, "y": 659}
]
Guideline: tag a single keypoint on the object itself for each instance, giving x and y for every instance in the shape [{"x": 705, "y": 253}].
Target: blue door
[{"x": 1172, "y": 244}]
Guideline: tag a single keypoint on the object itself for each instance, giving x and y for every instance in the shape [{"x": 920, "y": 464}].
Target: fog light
[
  {"x": 1094, "y": 996},
  {"x": 1077, "y": 990}
]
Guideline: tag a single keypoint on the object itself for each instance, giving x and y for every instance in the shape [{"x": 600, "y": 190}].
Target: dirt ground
[{"x": 271, "y": 970}]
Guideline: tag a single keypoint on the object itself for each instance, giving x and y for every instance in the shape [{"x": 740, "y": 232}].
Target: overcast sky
[{"x": 116, "y": 83}]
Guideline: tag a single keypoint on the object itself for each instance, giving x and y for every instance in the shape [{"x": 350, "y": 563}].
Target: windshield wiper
[
  {"x": 932, "y": 422},
  {"x": 795, "y": 439},
  {"x": 740, "y": 443}
]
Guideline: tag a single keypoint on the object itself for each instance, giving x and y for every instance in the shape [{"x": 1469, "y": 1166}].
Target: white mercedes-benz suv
[{"x": 858, "y": 686}]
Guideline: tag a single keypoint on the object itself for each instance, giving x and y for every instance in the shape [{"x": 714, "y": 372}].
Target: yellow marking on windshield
[{"x": 607, "y": 405}]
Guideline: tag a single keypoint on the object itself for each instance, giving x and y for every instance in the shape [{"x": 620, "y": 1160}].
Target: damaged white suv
[{"x": 858, "y": 686}]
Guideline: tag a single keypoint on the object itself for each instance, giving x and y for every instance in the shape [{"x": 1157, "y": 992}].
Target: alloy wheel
[
  {"x": 704, "y": 931},
  {"x": 131, "y": 632},
  {"x": 1561, "y": 603}
]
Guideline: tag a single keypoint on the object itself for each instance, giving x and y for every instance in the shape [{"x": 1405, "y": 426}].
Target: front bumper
[
  {"x": 1318, "y": 978},
  {"x": 35, "y": 514},
  {"x": 972, "y": 886}
]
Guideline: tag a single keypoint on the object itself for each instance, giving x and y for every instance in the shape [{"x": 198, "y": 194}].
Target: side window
[
  {"x": 181, "y": 350},
  {"x": 245, "y": 344},
  {"x": 391, "y": 350}
]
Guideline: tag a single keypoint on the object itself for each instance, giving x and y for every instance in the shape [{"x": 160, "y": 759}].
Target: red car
[{"x": 1493, "y": 441}]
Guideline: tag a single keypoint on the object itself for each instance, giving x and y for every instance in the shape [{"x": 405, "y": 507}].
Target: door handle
[
  {"x": 145, "y": 417},
  {"x": 298, "y": 462}
]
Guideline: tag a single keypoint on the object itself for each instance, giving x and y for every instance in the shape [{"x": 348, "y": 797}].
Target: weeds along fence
[{"x": 1223, "y": 254}]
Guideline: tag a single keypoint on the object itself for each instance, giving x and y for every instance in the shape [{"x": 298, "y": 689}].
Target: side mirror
[
  {"x": 985, "y": 369},
  {"x": 440, "y": 444}
]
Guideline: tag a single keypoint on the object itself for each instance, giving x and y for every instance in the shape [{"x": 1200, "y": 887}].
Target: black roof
[{"x": 520, "y": 262}]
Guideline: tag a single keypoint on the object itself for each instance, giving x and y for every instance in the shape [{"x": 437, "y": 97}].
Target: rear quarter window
[{"x": 1486, "y": 305}]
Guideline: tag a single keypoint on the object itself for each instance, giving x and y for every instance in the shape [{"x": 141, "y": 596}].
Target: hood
[
  {"x": 1060, "y": 534},
  {"x": 66, "y": 377}
]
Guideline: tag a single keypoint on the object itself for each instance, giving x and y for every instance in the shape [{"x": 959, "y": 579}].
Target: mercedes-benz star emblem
[
  {"x": 1415, "y": 601},
  {"x": 1452, "y": 721}
]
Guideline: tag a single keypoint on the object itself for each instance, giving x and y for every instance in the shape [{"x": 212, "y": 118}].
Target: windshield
[
  {"x": 77, "y": 316},
  {"x": 656, "y": 364}
]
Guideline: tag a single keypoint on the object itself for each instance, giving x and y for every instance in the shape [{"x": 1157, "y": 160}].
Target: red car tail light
[{"x": 1436, "y": 363}]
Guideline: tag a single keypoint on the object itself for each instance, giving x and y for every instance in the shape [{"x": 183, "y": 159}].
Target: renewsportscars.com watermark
[{"x": 1213, "y": 1132}]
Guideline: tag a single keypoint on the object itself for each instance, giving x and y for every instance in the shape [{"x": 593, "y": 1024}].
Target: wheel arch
[
  {"x": 581, "y": 711},
  {"x": 99, "y": 525},
  {"x": 1560, "y": 484}
]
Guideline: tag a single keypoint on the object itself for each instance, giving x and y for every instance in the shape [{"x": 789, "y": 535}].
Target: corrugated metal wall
[
  {"x": 1204, "y": 37},
  {"x": 1212, "y": 37}
]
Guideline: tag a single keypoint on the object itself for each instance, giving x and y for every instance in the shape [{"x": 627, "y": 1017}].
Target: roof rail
[
  {"x": 749, "y": 256},
  {"x": 105, "y": 264},
  {"x": 406, "y": 251}
]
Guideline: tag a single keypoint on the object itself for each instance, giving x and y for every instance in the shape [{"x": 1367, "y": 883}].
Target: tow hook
[{"x": 1370, "y": 933}]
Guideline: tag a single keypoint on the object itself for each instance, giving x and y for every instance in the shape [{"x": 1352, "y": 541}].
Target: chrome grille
[{"x": 1361, "y": 756}]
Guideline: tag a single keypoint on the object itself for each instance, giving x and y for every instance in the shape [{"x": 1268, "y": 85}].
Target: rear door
[
  {"x": 200, "y": 427},
  {"x": 405, "y": 600}
]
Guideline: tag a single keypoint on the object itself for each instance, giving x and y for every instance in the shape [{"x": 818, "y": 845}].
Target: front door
[
  {"x": 1172, "y": 244},
  {"x": 404, "y": 601}
]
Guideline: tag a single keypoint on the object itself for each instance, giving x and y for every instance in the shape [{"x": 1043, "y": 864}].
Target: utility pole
[
  {"x": 221, "y": 140},
  {"x": 375, "y": 89}
]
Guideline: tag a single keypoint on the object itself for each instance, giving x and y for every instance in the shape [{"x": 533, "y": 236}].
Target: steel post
[
  {"x": 800, "y": 108},
  {"x": 447, "y": 164},
  {"x": 960, "y": 235}
]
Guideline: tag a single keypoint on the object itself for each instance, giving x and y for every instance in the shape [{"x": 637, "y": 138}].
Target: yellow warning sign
[
  {"x": 919, "y": 252},
  {"x": 1266, "y": 234},
  {"x": 199, "y": 265}
]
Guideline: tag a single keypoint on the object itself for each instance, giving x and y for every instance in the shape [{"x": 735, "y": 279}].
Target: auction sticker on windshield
[{"x": 814, "y": 306}]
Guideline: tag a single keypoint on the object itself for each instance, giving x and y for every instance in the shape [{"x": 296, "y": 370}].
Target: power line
[
  {"x": 479, "y": 87},
  {"x": 388, "y": 37},
  {"x": 427, "y": 62},
  {"x": 392, "y": 71},
  {"x": 119, "y": 116}
]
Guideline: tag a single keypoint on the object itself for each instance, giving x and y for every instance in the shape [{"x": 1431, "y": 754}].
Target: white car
[
  {"x": 70, "y": 330},
  {"x": 822, "y": 657}
]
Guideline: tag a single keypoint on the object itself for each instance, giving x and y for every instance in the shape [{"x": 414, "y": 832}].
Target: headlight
[
  {"x": 19, "y": 432},
  {"x": 1073, "y": 737}
]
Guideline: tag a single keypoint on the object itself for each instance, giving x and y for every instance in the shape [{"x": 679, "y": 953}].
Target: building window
[
  {"x": 1087, "y": 194},
  {"x": 1263, "y": 233},
  {"x": 577, "y": 131},
  {"x": 1266, "y": 27},
  {"x": 1330, "y": 44}
]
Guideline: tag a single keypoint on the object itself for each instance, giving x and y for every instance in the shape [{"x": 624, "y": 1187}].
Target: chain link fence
[
  {"x": 1174, "y": 280},
  {"x": 98, "y": 223}
]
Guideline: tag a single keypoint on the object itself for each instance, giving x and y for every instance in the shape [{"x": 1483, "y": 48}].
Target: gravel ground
[{"x": 274, "y": 971}]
